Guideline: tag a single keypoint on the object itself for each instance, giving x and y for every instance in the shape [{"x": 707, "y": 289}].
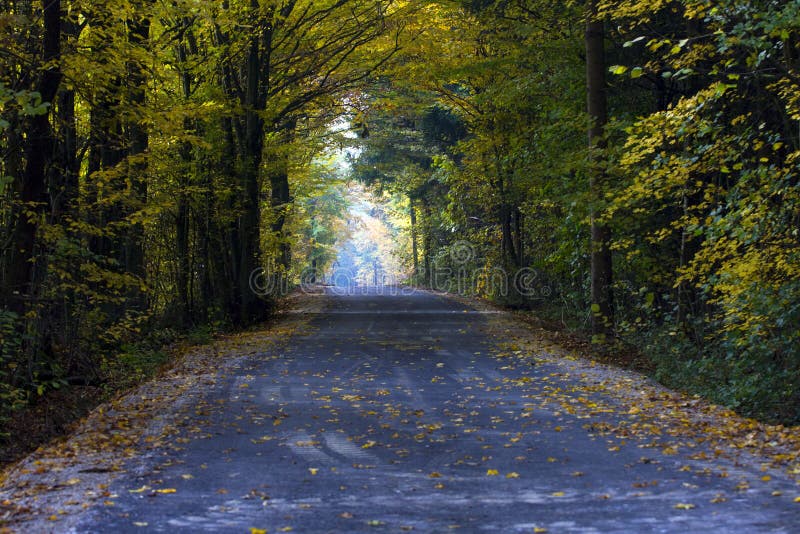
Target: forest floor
[{"x": 369, "y": 411}]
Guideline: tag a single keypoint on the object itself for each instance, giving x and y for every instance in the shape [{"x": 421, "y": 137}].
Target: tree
[
  {"x": 22, "y": 270},
  {"x": 602, "y": 267}
]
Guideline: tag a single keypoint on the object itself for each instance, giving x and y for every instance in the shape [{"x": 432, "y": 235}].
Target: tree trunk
[
  {"x": 414, "y": 245},
  {"x": 280, "y": 194},
  {"x": 182, "y": 217},
  {"x": 601, "y": 262},
  {"x": 510, "y": 252},
  {"x": 64, "y": 178},
  {"x": 427, "y": 243},
  {"x": 250, "y": 309},
  {"x": 133, "y": 245},
  {"x": 39, "y": 149},
  {"x": 182, "y": 230},
  {"x": 518, "y": 237}
]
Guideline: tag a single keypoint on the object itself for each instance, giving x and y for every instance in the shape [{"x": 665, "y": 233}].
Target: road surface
[{"x": 397, "y": 413}]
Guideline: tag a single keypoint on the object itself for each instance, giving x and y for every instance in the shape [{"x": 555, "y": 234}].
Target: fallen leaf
[
  {"x": 166, "y": 490},
  {"x": 512, "y": 475},
  {"x": 492, "y": 472},
  {"x": 684, "y": 506},
  {"x": 313, "y": 470}
]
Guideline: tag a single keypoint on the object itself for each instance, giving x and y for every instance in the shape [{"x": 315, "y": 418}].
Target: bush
[{"x": 11, "y": 397}]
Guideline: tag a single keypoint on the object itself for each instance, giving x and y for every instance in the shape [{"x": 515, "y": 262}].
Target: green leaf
[{"x": 618, "y": 69}]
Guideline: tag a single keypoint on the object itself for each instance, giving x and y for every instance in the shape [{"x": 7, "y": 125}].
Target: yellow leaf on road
[
  {"x": 166, "y": 490},
  {"x": 492, "y": 472},
  {"x": 684, "y": 506}
]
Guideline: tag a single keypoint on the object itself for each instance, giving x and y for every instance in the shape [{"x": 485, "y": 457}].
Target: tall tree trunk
[
  {"x": 509, "y": 249},
  {"x": 133, "y": 245},
  {"x": 427, "y": 243},
  {"x": 280, "y": 193},
  {"x": 67, "y": 185},
  {"x": 518, "y": 237},
  {"x": 227, "y": 265},
  {"x": 412, "y": 210},
  {"x": 250, "y": 309},
  {"x": 64, "y": 182},
  {"x": 182, "y": 217},
  {"x": 38, "y": 157},
  {"x": 601, "y": 262},
  {"x": 182, "y": 251}
]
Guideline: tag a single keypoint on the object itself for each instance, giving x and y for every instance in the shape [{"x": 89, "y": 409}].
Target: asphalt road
[{"x": 391, "y": 414}]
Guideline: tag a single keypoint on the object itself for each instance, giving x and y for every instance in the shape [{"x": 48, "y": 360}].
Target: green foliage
[
  {"x": 11, "y": 397},
  {"x": 704, "y": 206},
  {"x": 135, "y": 362},
  {"x": 132, "y": 366}
]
